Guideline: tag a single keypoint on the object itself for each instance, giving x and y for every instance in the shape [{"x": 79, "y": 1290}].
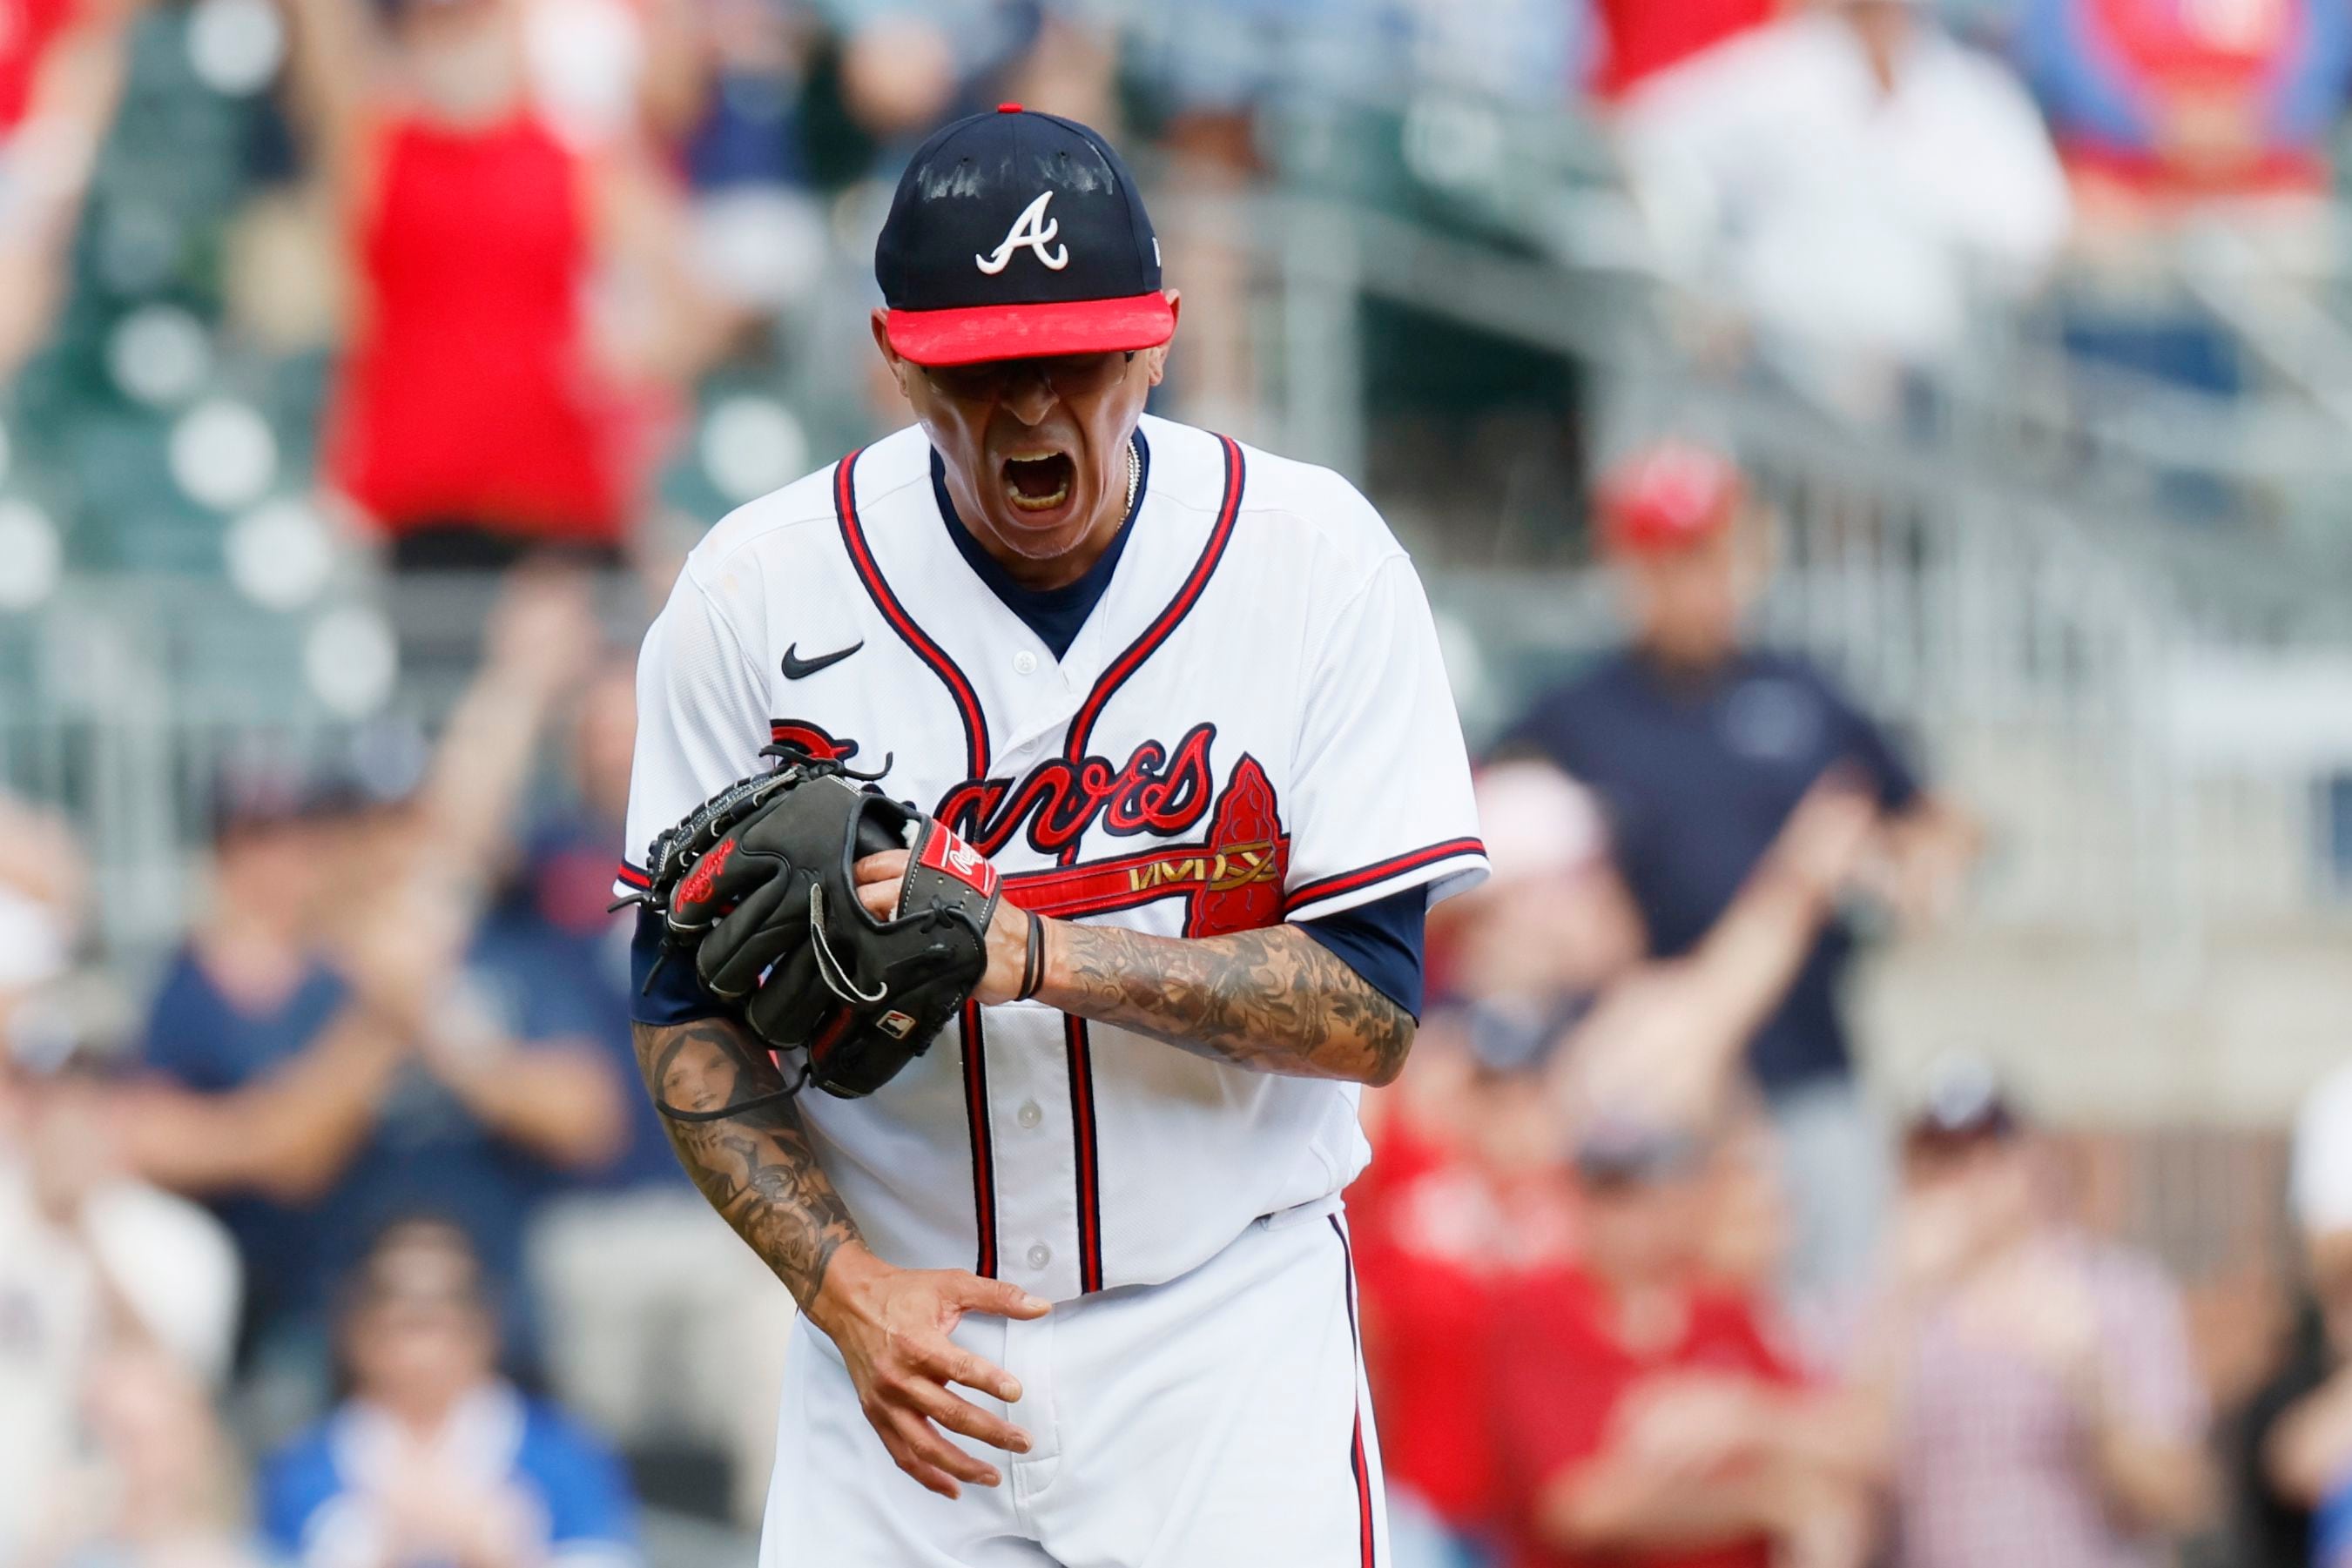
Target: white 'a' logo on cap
[{"x": 1037, "y": 231}]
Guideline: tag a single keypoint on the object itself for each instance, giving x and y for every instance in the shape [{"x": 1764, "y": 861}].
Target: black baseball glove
[{"x": 756, "y": 884}]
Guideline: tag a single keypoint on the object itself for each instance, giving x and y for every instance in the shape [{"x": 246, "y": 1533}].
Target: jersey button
[
  {"x": 1040, "y": 1255},
  {"x": 1025, "y": 663},
  {"x": 1030, "y": 1114}
]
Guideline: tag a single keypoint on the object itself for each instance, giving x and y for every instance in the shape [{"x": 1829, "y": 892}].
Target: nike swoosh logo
[{"x": 797, "y": 668}]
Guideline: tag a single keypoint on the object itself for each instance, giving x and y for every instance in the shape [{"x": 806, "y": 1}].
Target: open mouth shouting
[{"x": 1038, "y": 484}]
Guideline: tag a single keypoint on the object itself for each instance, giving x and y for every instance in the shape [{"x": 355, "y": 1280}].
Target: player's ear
[
  {"x": 1159, "y": 354},
  {"x": 880, "y": 321}
]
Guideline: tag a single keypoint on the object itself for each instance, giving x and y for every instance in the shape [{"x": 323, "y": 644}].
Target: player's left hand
[
  {"x": 879, "y": 877},
  {"x": 893, "y": 1328}
]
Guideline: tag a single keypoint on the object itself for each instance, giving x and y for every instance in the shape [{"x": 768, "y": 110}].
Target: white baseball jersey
[{"x": 1253, "y": 725}]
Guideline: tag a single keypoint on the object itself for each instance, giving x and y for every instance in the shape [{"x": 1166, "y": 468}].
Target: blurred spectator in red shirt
[
  {"x": 1465, "y": 1187},
  {"x": 1644, "y": 37},
  {"x": 1467, "y": 1195},
  {"x": 2044, "y": 1403},
  {"x": 521, "y": 300},
  {"x": 1547, "y": 991},
  {"x": 61, "y": 67},
  {"x": 2157, "y": 103},
  {"x": 27, "y": 29},
  {"x": 1646, "y": 1417}
]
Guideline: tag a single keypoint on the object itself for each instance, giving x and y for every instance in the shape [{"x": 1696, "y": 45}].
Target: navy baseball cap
[{"x": 1019, "y": 236}]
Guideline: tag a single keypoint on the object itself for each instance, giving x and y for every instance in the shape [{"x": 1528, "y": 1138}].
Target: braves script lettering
[{"x": 1154, "y": 791}]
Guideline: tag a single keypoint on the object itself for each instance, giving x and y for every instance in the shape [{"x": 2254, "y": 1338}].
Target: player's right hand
[{"x": 892, "y": 1327}]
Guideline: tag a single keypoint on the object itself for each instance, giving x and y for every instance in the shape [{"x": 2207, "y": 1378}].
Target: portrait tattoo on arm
[
  {"x": 1274, "y": 1000},
  {"x": 757, "y": 1169}
]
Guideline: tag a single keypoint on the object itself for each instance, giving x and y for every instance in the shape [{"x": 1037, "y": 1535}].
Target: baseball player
[{"x": 1172, "y": 715}]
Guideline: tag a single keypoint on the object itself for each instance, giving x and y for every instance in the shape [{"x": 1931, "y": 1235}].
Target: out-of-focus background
[{"x": 1883, "y": 468}]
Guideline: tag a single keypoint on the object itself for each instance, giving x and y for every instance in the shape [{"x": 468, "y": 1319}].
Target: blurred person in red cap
[
  {"x": 2039, "y": 1391},
  {"x": 1646, "y": 1413},
  {"x": 1465, "y": 1192},
  {"x": 1700, "y": 748}
]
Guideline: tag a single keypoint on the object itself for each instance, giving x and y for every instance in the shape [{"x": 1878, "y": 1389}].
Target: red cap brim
[{"x": 981, "y": 333}]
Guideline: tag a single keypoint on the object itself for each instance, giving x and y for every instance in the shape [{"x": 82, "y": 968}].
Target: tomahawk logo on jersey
[{"x": 1253, "y": 725}]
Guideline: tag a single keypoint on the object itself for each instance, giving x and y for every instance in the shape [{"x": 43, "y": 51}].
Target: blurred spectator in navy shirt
[
  {"x": 433, "y": 1459},
  {"x": 1700, "y": 748},
  {"x": 265, "y": 1064},
  {"x": 2156, "y": 103},
  {"x": 339, "y": 1044}
]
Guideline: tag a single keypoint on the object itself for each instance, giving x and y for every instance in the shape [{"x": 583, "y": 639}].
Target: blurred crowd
[
  {"x": 360, "y": 1247},
  {"x": 1648, "y": 1280},
  {"x": 557, "y": 219},
  {"x": 374, "y": 1164}
]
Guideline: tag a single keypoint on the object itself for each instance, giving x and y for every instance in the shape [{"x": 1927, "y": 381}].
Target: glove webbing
[{"x": 794, "y": 766}]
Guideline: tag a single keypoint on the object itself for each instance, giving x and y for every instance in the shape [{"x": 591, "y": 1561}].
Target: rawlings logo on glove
[{"x": 696, "y": 888}]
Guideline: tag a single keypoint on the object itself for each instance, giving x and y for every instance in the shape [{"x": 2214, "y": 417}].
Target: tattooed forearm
[
  {"x": 1275, "y": 1000},
  {"x": 757, "y": 1169}
]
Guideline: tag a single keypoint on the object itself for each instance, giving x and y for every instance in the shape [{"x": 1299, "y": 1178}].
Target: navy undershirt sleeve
[
  {"x": 1381, "y": 941},
  {"x": 677, "y": 993}
]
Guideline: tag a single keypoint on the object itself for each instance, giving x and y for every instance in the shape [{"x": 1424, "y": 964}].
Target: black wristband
[{"x": 1033, "y": 969}]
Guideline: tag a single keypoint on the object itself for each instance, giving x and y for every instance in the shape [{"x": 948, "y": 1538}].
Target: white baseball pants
[{"x": 1218, "y": 1420}]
